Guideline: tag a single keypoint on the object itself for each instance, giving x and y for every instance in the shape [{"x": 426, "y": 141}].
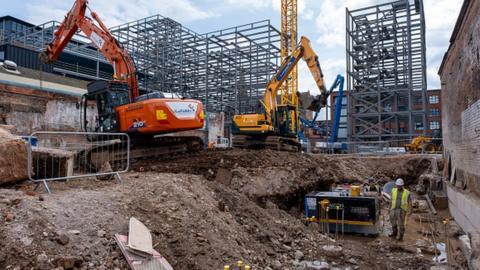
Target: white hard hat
[{"x": 399, "y": 182}]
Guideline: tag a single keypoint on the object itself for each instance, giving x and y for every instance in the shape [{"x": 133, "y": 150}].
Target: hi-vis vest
[{"x": 404, "y": 203}]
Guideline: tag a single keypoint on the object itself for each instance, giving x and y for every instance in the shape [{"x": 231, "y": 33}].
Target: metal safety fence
[
  {"x": 391, "y": 147},
  {"x": 56, "y": 156}
]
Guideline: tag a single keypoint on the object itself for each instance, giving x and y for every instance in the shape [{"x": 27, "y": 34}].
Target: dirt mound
[
  {"x": 72, "y": 228},
  {"x": 13, "y": 158},
  {"x": 269, "y": 174},
  {"x": 195, "y": 223},
  {"x": 204, "y": 211},
  {"x": 5, "y": 135}
]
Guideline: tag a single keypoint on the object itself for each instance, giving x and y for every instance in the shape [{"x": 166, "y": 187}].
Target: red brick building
[{"x": 434, "y": 113}]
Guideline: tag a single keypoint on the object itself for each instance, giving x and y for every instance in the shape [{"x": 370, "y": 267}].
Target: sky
[{"x": 322, "y": 21}]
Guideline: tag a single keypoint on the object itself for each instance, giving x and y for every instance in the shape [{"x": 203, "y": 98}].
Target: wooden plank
[{"x": 434, "y": 211}]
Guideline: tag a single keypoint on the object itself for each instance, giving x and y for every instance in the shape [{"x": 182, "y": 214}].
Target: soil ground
[{"x": 205, "y": 210}]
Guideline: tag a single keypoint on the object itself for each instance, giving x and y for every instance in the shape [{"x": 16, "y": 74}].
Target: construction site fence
[
  {"x": 391, "y": 147},
  {"x": 61, "y": 156}
]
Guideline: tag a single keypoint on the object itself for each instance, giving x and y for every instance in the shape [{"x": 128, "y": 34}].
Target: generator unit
[{"x": 340, "y": 210}]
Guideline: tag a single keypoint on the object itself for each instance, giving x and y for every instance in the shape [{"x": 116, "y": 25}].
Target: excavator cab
[
  {"x": 107, "y": 95},
  {"x": 283, "y": 120}
]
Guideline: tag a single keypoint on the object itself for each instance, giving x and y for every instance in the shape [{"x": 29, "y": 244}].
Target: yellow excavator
[
  {"x": 277, "y": 126},
  {"x": 422, "y": 144}
]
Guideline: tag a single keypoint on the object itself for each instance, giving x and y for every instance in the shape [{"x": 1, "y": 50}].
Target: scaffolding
[
  {"x": 227, "y": 69},
  {"x": 386, "y": 71}
]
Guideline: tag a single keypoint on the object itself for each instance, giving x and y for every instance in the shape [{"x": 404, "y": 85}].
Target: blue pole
[{"x": 338, "y": 108}]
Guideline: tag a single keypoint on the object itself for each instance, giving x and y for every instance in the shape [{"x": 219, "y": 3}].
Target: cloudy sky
[{"x": 323, "y": 21}]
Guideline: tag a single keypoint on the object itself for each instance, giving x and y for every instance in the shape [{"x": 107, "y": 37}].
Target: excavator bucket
[{"x": 312, "y": 103}]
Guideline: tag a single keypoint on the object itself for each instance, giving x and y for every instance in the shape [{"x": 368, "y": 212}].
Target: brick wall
[{"x": 460, "y": 76}]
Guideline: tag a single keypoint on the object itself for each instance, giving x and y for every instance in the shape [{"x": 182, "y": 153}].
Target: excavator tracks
[
  {"x": 115, "y": 152},
  {"x": 277, "y": 143}
]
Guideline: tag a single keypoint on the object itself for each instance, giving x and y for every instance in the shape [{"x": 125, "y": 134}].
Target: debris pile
[
  {"x": 215, "y": 209},
  {"x": 13, "y": 158}
]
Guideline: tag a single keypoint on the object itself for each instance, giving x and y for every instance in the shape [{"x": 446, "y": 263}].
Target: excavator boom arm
[
  {"x": 123, "y": 65},
  {"x": 311, "y": 59},
  {"x": 303, "y": 51}
]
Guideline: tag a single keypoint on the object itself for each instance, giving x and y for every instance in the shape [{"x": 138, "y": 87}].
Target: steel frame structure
[
  {"x": 226, "y": 69},
  {"x": 386, "y": 71}
]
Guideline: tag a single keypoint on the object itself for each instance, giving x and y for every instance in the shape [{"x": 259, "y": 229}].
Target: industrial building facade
[
  {"x": 386, "y": 71},
  {"x": 433, "y": 127},
  {"x": 226, "y": 69},
  {"x": 460, "y": 77}
]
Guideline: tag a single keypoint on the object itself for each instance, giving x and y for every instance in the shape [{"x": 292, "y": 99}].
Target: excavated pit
[
  {"x": 284, "y": 178},
  {"x": 204, "y": 210}
]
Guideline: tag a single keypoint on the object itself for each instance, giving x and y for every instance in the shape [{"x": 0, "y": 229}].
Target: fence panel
[{"x": 54, "y": 156}]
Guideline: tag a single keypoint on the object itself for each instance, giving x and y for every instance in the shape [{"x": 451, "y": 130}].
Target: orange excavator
[{"x": 120, "y": 108}]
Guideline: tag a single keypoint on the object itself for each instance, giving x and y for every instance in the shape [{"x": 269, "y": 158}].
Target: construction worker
[{"x": 399, "y": 207}]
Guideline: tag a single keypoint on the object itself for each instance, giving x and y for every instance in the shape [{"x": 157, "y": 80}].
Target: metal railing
[
  {"x": 392, "y": 147},
  {"x": 54, "y": 156},
  {"x": 80, "y": 71}
]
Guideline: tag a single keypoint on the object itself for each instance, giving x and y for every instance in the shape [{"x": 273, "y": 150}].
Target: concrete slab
[
  {"x": 52, "y": 162},
  {"x": 139, "y": 237}
]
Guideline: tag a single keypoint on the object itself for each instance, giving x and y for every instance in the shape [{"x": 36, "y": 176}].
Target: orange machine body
[
  {"x": 160, "y": 115},
  {"x": 150, "y": 116}
]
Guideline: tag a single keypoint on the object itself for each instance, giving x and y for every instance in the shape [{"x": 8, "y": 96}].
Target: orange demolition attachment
[{"x": 120, "y": 107}]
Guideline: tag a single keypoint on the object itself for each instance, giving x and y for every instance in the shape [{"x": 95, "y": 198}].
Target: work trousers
[{"x": 397, "y": 219}]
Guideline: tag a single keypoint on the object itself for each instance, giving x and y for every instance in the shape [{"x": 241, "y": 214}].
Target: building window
[
  {"x": 417, "y": 100},
  {"x": 434, "y": 125},
  {"x": 8, "y": 26},
  {"x": 387, "y": 107},
  {"x": 2, "y": 55},
  {"x": 418, "y": 126},
  {"x": 434, "y": 112},
  {"x": 433, "y": 99}
]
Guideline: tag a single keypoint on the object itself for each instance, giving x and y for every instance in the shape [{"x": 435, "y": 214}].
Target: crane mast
[{"x": 288, "y": 43}]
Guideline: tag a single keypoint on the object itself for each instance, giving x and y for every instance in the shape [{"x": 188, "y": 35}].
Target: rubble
[
  {"x": 13, "y": 158},
  {"x": 332, "y": 251},
  {"x": 199, "y": 220},
  {"x": 62, "y": 238}
]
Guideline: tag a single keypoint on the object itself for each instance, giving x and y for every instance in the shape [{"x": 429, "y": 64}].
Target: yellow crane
[{"x": 288, "y": 42}]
